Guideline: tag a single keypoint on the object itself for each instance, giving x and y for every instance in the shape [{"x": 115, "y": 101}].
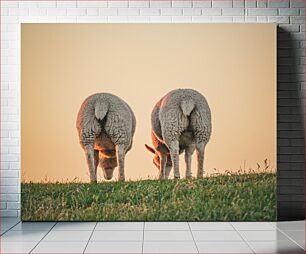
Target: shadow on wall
[{"x": 290, "y": 129}]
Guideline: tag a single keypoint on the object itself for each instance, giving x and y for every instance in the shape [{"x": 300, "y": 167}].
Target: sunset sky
[{"x": 232, "y": 65}]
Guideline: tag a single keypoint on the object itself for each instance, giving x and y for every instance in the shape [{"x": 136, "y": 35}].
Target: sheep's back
[
  {"x": 118, "y": 123},
  {"x": 168, "y": 113}
]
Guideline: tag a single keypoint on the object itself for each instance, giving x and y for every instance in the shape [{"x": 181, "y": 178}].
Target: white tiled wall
[{"x": 290, "y": 14}]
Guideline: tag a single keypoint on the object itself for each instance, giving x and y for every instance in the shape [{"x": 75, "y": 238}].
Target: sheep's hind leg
[
  {"x": 120, "y": 161},
  {"x": 200, "y": 147},
  {"x": 90, "y": 158},
  {"x": 188, "y": 153},
  {"x": 96, "y": 157},
  {"x": 168, "y": 170},
  {"x": 174, "y": 153}
]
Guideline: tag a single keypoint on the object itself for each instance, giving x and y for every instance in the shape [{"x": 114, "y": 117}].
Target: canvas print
[{"x": 148, "y": 122}]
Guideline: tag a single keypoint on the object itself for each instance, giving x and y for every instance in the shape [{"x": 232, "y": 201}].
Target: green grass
[{"x": 242, "y": 197}]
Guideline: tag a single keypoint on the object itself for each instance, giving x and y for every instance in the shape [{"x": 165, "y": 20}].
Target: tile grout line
[
  {"x": 247, "y": 243},
  {"x": 42, "y": 238},
  {"x": 143, "y": 232},
  {"x": 193, "y": 237},
  {"x": 291, "y": 239},
  {"x": 10, "y": 228},
  {"x": 274, "y": 226},
  {"x": 152, "y": 230},
  {"x": 90, "y": 237}
]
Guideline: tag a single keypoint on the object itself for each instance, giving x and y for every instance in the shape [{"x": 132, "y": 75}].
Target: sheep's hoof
[
  {"x": 122, "y": 179},
  {"x": 177, "y": 177},
  {"x": 93, "y": 181}
]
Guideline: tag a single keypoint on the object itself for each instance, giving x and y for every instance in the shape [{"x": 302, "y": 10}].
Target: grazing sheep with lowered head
[
  {"x": 181, "y": 121},
  {"x": 106, "y": 126}
]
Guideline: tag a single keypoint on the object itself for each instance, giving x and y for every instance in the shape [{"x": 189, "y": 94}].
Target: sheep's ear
[{"x": 151, "y": 149}]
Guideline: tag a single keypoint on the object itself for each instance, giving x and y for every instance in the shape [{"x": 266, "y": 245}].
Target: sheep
[
  {"x": 106, "y": 126},
  {"x": 181, "y": 121}
]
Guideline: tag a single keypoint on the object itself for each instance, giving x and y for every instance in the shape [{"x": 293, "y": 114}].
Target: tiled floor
[{"x": 152, "y": 237}]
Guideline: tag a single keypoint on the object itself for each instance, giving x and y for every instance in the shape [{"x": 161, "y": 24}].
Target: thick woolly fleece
[
  {"x": 106, "y": 126},
  {"x": 181, "y": 121}
]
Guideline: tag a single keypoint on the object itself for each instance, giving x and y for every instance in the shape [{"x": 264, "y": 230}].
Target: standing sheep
[
  {"x": 181, "y": 121},
  {"x": 106, "y": 126}
]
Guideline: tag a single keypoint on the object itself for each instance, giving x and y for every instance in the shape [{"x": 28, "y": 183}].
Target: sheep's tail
[
  {"x": 187, "y": 106},
  {"x": 101, "y": 109}
]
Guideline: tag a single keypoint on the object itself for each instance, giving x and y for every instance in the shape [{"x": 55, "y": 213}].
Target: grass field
[{"x": 242, "y": 197}]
